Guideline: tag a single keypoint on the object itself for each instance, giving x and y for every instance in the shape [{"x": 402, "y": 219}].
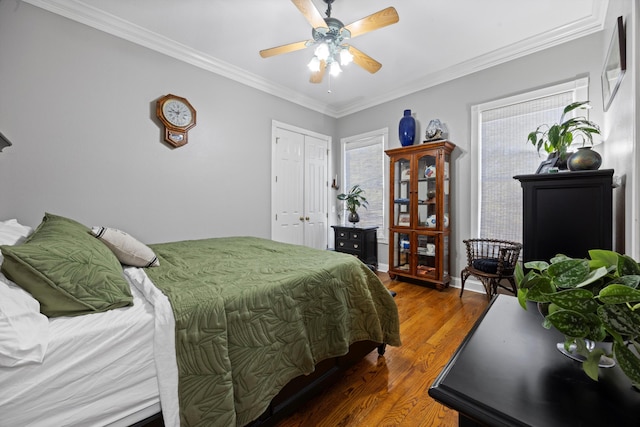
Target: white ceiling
[{"x": 434, "y": 40}]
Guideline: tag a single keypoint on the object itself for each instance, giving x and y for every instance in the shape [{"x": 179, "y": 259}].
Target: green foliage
[
  {"x": 559, "y": 136},
  {"x": 590, "y": 299},
  {"x": 354, "y": 199}
]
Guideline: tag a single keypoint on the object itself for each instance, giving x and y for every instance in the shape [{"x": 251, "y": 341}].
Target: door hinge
[{"x": 276, "y": 217}]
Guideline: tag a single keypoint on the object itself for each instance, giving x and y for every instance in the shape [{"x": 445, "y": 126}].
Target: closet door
[
  {"x": 315, "y": 192},
  {"x": 287, "y": 190},
  {"x": 299, "y": 187}
]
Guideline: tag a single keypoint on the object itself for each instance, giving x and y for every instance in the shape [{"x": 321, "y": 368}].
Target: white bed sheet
[
  {"x": 99, "y": 370},
  {"x": 164, "y": 344}
]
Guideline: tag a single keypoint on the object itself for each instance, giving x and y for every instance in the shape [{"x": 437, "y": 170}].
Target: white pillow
[
  {"x": 128, "y": 250},
  {"x": 24, "y": 331},
  {"x": 13, "y": 233}
]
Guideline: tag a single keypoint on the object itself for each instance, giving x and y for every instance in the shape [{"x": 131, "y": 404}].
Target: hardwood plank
[{"x": 392, "y": 390}]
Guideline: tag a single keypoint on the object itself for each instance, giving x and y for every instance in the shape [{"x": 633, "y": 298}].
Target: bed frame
[{"x": 302, "y": 388}]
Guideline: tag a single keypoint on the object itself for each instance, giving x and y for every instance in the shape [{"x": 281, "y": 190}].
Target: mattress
[{"x": 98, "y": 370}]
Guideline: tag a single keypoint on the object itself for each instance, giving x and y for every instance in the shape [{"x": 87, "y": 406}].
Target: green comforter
[{"x": 251, "y": 314}]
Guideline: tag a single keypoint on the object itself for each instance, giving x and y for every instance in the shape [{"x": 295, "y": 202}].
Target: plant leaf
[
  {"x": 580, "y": 300},
  {"x": 590, "y": 365},
  {"x": 620, "y": 319},
  {"x": 570, "y": 323},
  {"x": 629, "y": 362},
  {"x": 627, "y": 266},
  {"x": 537, "y": 265},
  {"x": 619, "y": 294},
  {"x": 569, "y": 272}
]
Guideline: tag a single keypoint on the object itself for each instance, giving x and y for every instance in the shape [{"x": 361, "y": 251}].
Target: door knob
[{"x": 307, "y": 218}]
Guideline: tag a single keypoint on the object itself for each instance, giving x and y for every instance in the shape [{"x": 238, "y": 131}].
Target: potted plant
[
  {"x": 589, "y": 300},
  {"x": 557, "y": 138},
  {"x": 353, "y": 200}
]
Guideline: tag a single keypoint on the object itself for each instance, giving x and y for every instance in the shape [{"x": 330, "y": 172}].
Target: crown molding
[
  {"x": 113, "y": 25},
  {"x": 88, "y": 15},
  {"x": 591, "y": 24}
]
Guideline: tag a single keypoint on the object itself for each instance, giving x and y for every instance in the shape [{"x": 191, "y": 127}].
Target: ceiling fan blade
[
  {"x": 318, "y": 75},
  {"x": 286, "y": 48},
  {"x": 379, "y": 19},
  {"x": 310, "y": 12},
  {"x": 364, "y": 60}
]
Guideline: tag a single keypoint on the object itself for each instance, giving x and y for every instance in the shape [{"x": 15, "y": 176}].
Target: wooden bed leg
[{"x": 381, "y": 349}]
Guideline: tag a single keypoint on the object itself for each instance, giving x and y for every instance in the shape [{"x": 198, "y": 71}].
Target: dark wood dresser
[
  {"x": 568, "y": 213},
  {"x": 361, "y": 242}
]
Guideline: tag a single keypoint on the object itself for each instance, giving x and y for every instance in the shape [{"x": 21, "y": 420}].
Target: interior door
[
  {"x": 315, "y": 192},
  {"x": 299, "y": 187},
  {"x": 287, "y": 191}
]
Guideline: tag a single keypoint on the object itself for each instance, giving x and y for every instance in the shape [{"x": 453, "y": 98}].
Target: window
[
  {"x": 501, "y": 151},
  {"x": 363, "y": 164}
]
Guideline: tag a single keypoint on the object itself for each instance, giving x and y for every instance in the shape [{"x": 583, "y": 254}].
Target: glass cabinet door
[
  {"x": 427, "y": 256},
  {"x": 401, "y": 251},
  {"x": 427, "y": 191},
  {"x": 401, "y": 192}
]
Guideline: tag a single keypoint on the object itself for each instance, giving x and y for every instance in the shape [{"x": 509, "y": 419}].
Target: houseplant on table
[
  {"x": 353, "y": 200},
  {"x": 589, "y": 300},
  {"x": 555, "y": 139}
]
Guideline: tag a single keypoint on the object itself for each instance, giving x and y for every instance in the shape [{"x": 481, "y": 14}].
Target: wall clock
[{"x": 178, "y": 116}]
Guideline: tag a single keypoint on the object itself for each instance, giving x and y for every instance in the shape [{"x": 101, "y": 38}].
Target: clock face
[{"x": 177, "y": 113}]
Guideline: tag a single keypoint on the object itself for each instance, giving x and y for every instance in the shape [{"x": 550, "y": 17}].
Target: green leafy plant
[
  {"x": 354, "y": 199},
  {"x": 558, "y": 137},
  {"x": 590, "y": 299}
]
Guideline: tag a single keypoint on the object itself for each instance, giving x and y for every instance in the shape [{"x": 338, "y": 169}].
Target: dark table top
[{"x": 508, "y": 372}]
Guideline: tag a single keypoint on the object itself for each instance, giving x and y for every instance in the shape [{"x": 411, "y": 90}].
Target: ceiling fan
[{"x": 329, "y": 35}]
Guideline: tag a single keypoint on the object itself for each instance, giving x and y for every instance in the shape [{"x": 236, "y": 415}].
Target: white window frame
[
  {"x": 363, "y": 140},
  {"x": 580, "y": 87}
]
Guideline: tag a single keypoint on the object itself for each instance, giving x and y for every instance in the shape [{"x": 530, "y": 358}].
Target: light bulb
[
  {"x": 345, "y": 56},
  {"x": 314, "y": 64},
  {"x": 322, "y": 51},
  {"x": 334, "y": 69}
]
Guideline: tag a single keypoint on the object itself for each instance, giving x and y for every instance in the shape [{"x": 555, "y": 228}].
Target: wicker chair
[{"x": 491, "y": 261}]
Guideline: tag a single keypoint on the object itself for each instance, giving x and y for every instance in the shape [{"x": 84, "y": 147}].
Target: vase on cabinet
[
  {"x": 353, "y": 217},
  {"x": 584, "y": 159},
  {"x": 407, "y": 129}
]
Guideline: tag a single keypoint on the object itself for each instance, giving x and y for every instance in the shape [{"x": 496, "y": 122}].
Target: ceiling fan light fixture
[
  {"x": 346, "y": 57},
  {"x": 314, "y": 64},
  {"x": 322, "y": 52},
  {"x": 334, "y": 69}
]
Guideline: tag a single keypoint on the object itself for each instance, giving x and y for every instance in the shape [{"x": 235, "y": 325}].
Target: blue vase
[{"x": 407, "y": 129}]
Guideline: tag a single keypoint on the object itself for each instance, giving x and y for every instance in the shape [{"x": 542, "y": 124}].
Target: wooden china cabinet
[{"x": 419, "y": 216}]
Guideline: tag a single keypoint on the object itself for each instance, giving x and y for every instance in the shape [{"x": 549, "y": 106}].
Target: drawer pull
[
  {"x": 355, "y": 236},
  {"x": 341, "y": 243},
  {"x": 341, "y": 234},
  {"x": 355, "y": 246}
]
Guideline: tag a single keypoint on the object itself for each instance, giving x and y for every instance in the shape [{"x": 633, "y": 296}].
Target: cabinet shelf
[{"x": 420, "y": 225}]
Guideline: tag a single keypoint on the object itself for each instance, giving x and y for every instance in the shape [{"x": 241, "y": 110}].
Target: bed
[{"x": 226, "y": 331}]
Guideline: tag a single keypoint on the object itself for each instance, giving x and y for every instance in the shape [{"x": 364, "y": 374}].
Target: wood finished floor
[{"x": 393, "y": 390}]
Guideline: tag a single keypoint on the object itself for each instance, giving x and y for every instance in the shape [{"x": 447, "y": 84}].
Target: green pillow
[{"x": 67, "y": 270}]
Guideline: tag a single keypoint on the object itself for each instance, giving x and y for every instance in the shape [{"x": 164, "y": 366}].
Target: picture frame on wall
[
  {"x": 615, "y": 64},
  {"x": 546, "y": 165}
]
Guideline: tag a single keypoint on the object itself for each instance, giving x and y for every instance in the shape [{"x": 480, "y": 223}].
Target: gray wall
[
  {"x": 451, "y": 102},
  {"x": 620, "y": 133},
  {"x": 78, "y": 105}
]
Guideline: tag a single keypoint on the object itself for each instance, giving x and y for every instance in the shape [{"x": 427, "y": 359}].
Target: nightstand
[{"x": 361, "y": 242}]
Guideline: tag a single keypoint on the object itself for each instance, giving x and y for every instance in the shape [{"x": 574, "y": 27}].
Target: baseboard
[{"x": 470, "y": 285}]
